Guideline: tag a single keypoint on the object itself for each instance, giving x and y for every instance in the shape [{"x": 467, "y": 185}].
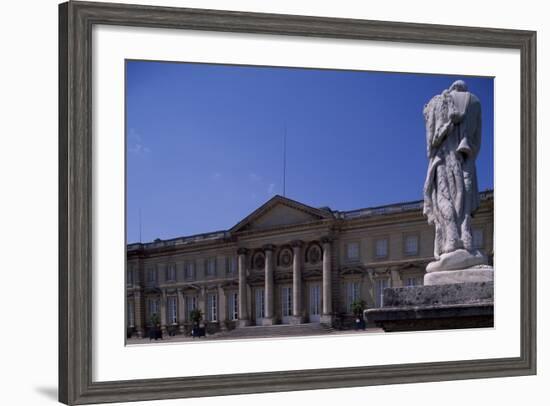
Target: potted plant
[
  {"x": 154, "y": 332},
  {"x": 357, "y": 308}
]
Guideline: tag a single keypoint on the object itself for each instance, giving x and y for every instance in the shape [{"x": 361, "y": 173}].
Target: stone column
[
  {"x": 202, "y": 303},
  {"x": 326, "y": 316},
  {"x": 163, "y": 314},
  {"x": 269, "y": 291},
  {"x": 222, "y": 308},
  {"x": 371, "y": 302},
  {"x": 297, "y": 317},
  {"x": 182, "y": 316},
  {"x": 138, "y": 313},
  {"x": 244, "y": 319}
]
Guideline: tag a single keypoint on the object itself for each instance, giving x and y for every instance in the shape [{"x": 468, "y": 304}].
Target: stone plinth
[
  {"x": 481, "y": 273},
  {"x": 458, "y": 259},
  {"x": 295, "y": 320},
  {"x": 459, "y": 305},
  {"x": 326, "y": 319},
  {"x": 267, "y": 321},
  {"x": 243, "y": 323}
]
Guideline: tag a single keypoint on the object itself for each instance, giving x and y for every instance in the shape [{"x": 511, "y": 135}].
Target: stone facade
[{"x": 285, "y": 263}]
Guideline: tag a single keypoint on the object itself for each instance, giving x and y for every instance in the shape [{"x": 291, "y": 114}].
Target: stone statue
[{"x": 451, "y": 196}]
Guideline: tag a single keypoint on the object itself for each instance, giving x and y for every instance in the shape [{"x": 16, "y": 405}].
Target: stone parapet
[
  {"x": 457, "y": 293},
  {"x": 480, "y": 273},
  {"x": 460, "y": 305}
]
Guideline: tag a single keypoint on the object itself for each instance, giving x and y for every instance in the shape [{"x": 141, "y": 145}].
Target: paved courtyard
[{"x": 253, "y": 333}]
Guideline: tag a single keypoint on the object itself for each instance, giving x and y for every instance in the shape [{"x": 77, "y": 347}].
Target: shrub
[
  {"x": 357, "y": 308},
  {"x": 196, "y": 315}
]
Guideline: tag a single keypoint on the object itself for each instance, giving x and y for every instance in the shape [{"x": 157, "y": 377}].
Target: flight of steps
[{"x": 278, "y": 330}]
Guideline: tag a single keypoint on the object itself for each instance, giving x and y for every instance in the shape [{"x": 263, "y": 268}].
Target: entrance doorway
[
  {"x": 259, "y": 305},
  {"x": 286, "y": 302},
  {"x": 315, "y": 303}
]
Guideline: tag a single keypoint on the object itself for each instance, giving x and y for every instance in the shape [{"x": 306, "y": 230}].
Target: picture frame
[{"x": 76, "y": 351}]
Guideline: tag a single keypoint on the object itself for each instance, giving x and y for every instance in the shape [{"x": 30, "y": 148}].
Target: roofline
[
  {"x": 185, "y": 237},
  {"x": 227, "y": 233},
  {"x": 397, "y": 204},
  {"x": 321, "y": 213}
]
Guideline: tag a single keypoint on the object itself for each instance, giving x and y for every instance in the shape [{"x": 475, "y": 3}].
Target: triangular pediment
[{"x": 278, "y": 212}]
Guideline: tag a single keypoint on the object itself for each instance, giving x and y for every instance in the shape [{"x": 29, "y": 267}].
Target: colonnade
[{"x": 269, "y": 284}]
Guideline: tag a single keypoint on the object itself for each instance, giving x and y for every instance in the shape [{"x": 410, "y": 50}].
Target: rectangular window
[
  {"x": 231, "y": 265},
  {"x": 381, "y": 248},
  {"x": 153, "y": 307},
  {"x": 381, "y": 284},
  {"x": 131, "y": 313},
  {"x": 477, "y": 238},
  {"x": 233, "y": 306},
  {"x": 151, "y": 276},
  {"x": 212, "y": 307},
  {"x": 189, "y": 271},
  {"x": 211, "y": 267},
  {"x": 171, "y": 273},
  {"x": 190, "y": 305},
  {"x": 172, "y": 308},
  {"x": 353, "y": 251},
  {"x": 130, "y": 275},
  {"x": 411, "y": 245},
  {"x": 352, "y": 293}
]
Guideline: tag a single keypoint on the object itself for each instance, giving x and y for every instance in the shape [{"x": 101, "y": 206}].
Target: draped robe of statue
[{"x": 451, "y": 196}]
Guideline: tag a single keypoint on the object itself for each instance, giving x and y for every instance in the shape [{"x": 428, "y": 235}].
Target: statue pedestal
[
  {"x": 456, "y": 260},
  {"x": 435, "y": 307},
  {"x": 480, "y": 273},
  {"x": 460, "y": 266}
]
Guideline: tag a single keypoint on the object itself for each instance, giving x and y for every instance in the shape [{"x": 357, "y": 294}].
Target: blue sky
[{"x": 205, "y": 142}]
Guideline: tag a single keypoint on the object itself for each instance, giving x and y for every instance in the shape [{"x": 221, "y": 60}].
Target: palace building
[{"x": 285, "y": 263}]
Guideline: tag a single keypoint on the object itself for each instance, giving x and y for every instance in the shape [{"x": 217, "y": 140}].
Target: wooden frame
[{"x": 75, "y": 184}]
